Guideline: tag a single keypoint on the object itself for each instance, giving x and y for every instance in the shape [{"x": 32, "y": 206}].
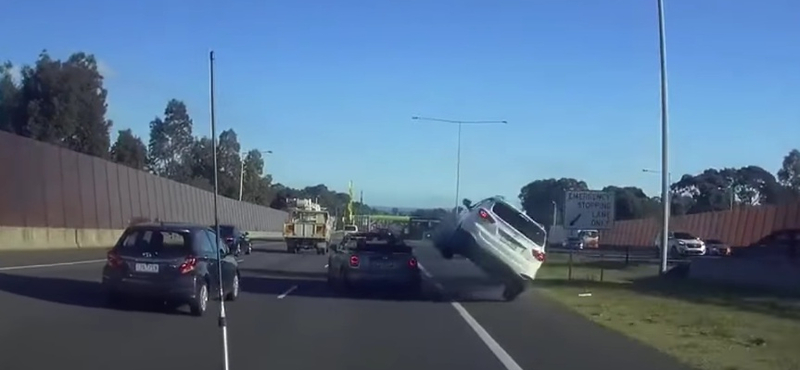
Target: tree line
[
  {"x": 63, "y": 102},
  {"x": 709, "y": 191}
]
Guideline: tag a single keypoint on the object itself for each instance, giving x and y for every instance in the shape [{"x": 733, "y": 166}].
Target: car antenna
[{"x": 222, "y": 316}]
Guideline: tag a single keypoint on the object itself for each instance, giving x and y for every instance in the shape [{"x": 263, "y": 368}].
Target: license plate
[
  {"x": 146, "y": 267},
  {"x": 384, "y": 265}
]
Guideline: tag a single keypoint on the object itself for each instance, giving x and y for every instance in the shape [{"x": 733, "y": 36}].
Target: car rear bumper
[
  {"x": 364, "y": 279},
  {"x": 182, "y": 289}
]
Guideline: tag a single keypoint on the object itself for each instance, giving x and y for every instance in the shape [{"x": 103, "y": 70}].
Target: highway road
[{"x": 54, "y": 316}]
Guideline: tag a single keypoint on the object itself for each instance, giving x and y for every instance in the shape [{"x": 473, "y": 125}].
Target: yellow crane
[{"x": 349, "y": 220}]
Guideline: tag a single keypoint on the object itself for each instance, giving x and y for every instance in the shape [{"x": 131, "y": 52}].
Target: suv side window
[{"x": 204, "y": 242}]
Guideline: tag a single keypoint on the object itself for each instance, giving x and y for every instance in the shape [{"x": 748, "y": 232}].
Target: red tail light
[
  {"x": 539, "y": 255},
  {"x": 188, "y": 265},
  {"x": 113, "y": 259},
  {"x": 412, "y": 262},
  {"x": 354, "y": 261},
  {"x": 484, "y": 215}
]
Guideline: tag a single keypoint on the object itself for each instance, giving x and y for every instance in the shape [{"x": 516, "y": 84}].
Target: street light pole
[
  {"x": 458, "y": 150},
  {"x": 241, "y": 172},
  {"x": 555, "y": 214},
  {"x": 665, "y": 201}
]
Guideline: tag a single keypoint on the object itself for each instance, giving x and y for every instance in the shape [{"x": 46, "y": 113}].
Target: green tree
[
  {"x": 170, "y": 141},
  {"x": 228, "y": 164},
  {"x": 632, "y": 203},
  {"x": 537, "y": 197},
  {"x": 129, "y": 150},
  {"x": 789, "y": 174},
  {"x": 64, "y": 103},
  {"x": 9, "y": 96}
]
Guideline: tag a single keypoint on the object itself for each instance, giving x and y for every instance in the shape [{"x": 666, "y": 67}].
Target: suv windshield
[
  {"x": 518, "y": 221},
  {"x": 680, "y": 235},
  {"x": 161, "y": 243}
]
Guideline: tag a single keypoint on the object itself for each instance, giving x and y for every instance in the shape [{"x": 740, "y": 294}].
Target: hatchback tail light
[
  {"x": 412, "y": 262},
  {"x": 539, "y": 255},
  {"x": 484, "y": 215},
  {"x": 354, "y": 261},
  {"x": 188, "y": 265},
  {"x": 113, "y": 259}
]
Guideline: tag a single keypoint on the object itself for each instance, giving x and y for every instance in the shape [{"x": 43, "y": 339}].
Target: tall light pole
[
  {"x": 555, "y": 213},
  {"x": 241, "y": 172},
  {"x": 458, "y": 152},
  {"x": 222, "y": 321},
  {"x": 662, "y": 53}
]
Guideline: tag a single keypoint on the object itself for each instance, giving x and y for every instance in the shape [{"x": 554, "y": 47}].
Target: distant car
[
  {"x": 349, "y": 229},
  {"x": 170, "y": 262},
  {"x": 500, "y": 239},
  {"x": 374, "y": 259},
  {"x": 683, "y": 244},
  {"x": 236, "y": 240},
  {"x": 716, "y": 247}
]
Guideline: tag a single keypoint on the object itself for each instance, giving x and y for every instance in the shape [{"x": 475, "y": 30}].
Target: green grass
[{"x": 707, "y": 326}]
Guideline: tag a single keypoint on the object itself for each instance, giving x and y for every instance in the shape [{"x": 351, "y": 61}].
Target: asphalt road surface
[{"x": 54, "y": 317}]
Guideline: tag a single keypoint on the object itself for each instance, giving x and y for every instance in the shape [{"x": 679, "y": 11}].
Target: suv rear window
[
  {"x": 162, "y": 243},
  {"x": 518, "y": 221},
  {"x": 224, "y": 230}
]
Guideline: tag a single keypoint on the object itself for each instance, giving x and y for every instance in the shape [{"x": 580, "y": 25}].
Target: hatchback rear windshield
[
  {"x": 224, "y": 230},
  {"x": 518, "y": 221},
  {"x": 160, "y": 243}
]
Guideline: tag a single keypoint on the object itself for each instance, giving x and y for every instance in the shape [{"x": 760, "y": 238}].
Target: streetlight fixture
[
  {"x": 241, "y": 172},
  {"x": 458, "y": 153}
]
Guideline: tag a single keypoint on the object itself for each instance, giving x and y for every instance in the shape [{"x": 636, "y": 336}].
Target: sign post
[{"x": 589, "y": 210}]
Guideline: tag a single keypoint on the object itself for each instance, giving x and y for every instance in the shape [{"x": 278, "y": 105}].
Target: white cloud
[
  {"x": 16, "y": 74},
  {"x": 105, "y": 69}
]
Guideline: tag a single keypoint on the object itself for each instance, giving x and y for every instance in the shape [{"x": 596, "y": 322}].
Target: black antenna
[{"x": 222, "y": 321}]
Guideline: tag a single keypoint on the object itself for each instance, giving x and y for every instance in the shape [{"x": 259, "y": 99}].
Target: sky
[{"x": 330, "y": 86}]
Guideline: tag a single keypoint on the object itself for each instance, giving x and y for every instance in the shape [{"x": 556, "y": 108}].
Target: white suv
[{"x": 500, "y": 239}]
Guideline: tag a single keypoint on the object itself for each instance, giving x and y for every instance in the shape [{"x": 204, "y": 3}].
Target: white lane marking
[
  {"x": 282, "y": 296},
  {"x": 326, "y": 266},
  {"x": 498, "y": 351},
  {"x": 45, "y": 265}
]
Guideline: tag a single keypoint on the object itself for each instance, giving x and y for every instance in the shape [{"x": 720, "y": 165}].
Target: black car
[
  {"x": 372, "y": 260},
  {"x": 237, "y": 240},
  {"x": 170, "y": 262}
]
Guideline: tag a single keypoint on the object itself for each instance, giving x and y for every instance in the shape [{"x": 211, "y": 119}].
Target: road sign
[{"x": 589, "y": 210}]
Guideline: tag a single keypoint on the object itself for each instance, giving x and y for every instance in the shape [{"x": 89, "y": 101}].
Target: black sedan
[
  {"x": 173, "y": 263},
  {"x": 374, "y": 260}
]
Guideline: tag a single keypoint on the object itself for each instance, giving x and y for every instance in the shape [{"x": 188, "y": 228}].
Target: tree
[
  {"x": 64, "y": 103},
  {"x": 538, "y": 197},
  {"x": 632, "y": 203},
  {"x": 9, "y": 96},
  {"x": 170, "y": 140},
  {"x": 229, "y": 164},
  {"x": 789, "y": 174},
  {"x": 129, "y": 150},
  {"x": 717, "y": 190}
]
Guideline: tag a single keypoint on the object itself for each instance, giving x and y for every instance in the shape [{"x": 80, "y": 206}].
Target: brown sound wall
[
  {"x": 42, "y": 185},
  {"x": 738, "y": 227}
]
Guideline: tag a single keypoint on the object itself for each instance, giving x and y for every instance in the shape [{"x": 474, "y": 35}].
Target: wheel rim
[
  {"x": 203, "y": 298},
  {"x": 235, "y": 285}
]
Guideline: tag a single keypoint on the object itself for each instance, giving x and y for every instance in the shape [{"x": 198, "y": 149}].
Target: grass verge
[{"x": 707, "y": 326}]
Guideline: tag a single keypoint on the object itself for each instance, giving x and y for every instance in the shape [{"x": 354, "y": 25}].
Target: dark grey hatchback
[{"x": 170, "y": 262}]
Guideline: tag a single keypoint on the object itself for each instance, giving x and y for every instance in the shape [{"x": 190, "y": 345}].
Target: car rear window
[
  {"x": 519, "y": 222},
  {"x": 350, "y": 228},
  {"x": 224, "y": 231},
  {"x": 162, "y": 243}
]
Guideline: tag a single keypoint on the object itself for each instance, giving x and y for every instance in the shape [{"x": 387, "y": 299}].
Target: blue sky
[{"x": 330, "y": 86}]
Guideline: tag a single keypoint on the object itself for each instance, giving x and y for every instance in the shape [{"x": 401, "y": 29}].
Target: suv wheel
[
  {"x": 234, "y": 293},
  {"x": 200, "y": 303}
]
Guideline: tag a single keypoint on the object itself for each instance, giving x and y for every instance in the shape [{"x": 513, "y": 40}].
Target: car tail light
[
  {"x": 354, "y": 261},
  {"x": 113, "y": 259},
  {"x": 412, "y": 262},
  {"x": 539, "y": 255},
  {"x": 484, "y": 215},
  {"x": 188, "y": 265}
]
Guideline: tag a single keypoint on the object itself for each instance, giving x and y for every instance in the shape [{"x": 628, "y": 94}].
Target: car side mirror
[{"x": 467, "y": 203}]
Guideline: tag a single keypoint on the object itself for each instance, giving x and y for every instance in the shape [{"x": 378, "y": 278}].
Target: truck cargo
[{"x": 309, "y": 226}]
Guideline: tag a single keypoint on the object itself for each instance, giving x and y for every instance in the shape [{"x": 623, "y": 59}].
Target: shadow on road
[
  {"x": 270, "y": 250},
  {"x": 315, "y": 285},
  {"x": 81, "y": 293}
]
